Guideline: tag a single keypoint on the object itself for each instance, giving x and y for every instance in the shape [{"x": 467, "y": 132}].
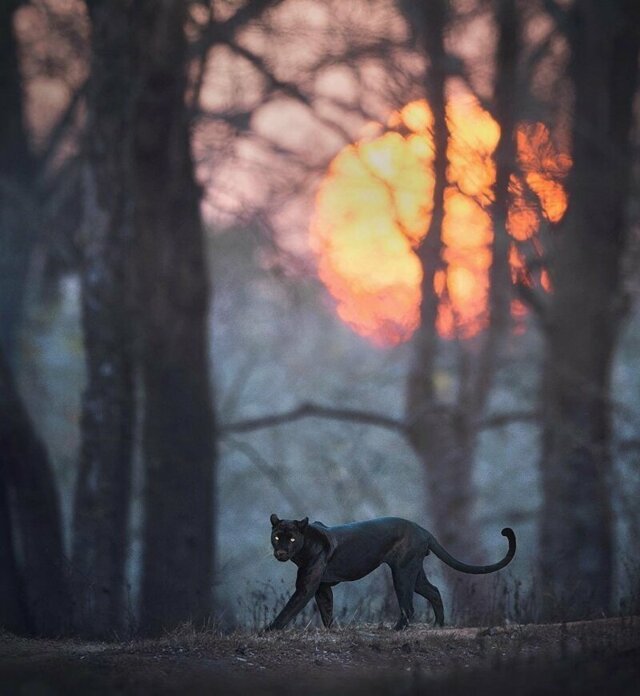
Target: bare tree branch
[
  {"x": 354, "y": 415},
  {"x": 216, "y": 32},
  {"x": 311, "y": 410},
  {"x": 289, "y": 89},
  {"x": 61, "y": 127},
  {"x": 559, "y": 15},
  {"x": 500, "y": 420},
  {"x": 268, "y": 471},
  {"x": 534, "y": 301}
]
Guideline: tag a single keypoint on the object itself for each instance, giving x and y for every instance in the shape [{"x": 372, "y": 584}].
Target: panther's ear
[
  {"x": 302, "y": 525},
  {"x": 274, "y": 520}
]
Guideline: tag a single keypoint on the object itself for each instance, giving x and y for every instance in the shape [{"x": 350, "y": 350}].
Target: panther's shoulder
[{"x": 323, "y": 532}]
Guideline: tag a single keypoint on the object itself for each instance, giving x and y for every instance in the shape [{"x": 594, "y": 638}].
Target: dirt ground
[{"x": 573, "y": 658}]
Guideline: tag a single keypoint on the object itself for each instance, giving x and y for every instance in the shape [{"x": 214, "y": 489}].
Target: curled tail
[{"x": 447, "y": 558}]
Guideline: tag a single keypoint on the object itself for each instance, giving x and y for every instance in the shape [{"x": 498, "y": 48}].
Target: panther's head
[{"x": 287, "y": 537}]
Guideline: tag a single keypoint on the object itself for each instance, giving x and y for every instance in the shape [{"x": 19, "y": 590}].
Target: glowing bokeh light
[{"x": 374, "y": 206}]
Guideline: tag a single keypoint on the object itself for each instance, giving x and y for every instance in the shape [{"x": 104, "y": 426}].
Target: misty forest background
[{"x": 173, "y": 370}]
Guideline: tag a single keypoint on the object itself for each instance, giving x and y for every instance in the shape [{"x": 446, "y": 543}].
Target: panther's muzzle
[{"x": 281, "y": 555}]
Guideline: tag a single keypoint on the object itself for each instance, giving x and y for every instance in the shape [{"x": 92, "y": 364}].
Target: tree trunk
[
  {"x": 500, "y": 292},
  {"x": 439, "y": 437},
  {"x": 16, "y": 188},
  {"x": 33, "y": 590},
  {"x": 587, "y": 303},
  {"x": 102, "y": 502},
  {"x": 36, "y": 525},
  {"x": 13, "y": 609},
  {"x": 445, "y": 437},
  {"x": 173, "y": 303}
]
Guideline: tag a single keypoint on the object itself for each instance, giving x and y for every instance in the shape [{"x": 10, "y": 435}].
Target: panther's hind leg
[
  {"x": 432, "y": 594},
  {"x": 404, "y": 581},
  {"x": 324, "y": 600}
]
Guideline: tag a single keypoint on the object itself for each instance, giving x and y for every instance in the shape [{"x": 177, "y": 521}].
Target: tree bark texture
[
  {"x": 585, "y": 314},
  {"x": 29, "y": 506},
  {"x": 179, "y": 449},
  {"x": 17, "y": 198},
  {"x": 103, "y": 486}
]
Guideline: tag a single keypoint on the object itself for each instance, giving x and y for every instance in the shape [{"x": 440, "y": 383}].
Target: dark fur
[{"x": 326, "y": 556}]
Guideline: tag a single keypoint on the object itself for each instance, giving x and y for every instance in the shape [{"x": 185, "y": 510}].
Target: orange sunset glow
[{"x": 374, "y": 207}]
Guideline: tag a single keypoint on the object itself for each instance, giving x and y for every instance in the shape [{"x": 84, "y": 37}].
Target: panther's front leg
[
  {"x": 324, "y": 600},
  {"x": 307, "y": 584},
  {"x": 292, "y": 608}
]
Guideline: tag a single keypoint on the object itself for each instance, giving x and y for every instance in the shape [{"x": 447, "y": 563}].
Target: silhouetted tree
[
  {"x": 33, "y": 585},
  {"x": 102, "y": 501},
  {"x": 15, "y": 166},
  {"x": 586, "y": 310},
  {"x": 444, "y": 435},
  {"x": 172, "y": 293},
  {"x": 437, "y": 436}
]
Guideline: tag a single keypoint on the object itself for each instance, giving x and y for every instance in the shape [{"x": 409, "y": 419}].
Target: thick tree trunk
[
  {"x": 576, "y": 524},
  {"x": 102, "y": 502},
  {"x": 17, "y": 219},
  {"x": 36, "y": 533},
  {"x": 173, "y": 303}
]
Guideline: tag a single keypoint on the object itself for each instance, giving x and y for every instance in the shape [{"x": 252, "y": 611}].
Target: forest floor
[{"x": 573, "y": 658}]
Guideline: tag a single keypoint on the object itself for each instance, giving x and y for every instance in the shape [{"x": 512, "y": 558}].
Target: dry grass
[{"x": 352, "y": 660}]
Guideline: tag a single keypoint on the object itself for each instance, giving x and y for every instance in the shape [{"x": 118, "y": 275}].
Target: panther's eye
[
  {"x": 292, "y": 539},
  {"x": 276, "y": 537}
]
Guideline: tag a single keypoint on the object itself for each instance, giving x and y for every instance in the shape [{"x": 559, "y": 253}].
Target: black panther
[{"x": 326, "y": 556}]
